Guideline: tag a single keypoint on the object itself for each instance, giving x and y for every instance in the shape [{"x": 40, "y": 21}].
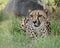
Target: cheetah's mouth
[{"x": 37, "y": 24}]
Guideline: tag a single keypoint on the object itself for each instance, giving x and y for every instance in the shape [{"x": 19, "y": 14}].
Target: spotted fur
[{"x": 37, "y": 24}]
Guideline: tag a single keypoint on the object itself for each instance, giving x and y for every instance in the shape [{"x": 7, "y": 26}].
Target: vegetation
[{"x": 11, "y": 35}]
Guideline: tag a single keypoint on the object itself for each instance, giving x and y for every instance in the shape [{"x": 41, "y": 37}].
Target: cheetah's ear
[
  {"x": 29, "y": 11},
  {"x": 46, "y": 12}
]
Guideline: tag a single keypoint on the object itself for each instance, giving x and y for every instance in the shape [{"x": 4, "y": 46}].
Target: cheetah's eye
[
  {"x": 39, "y": 15},
  {"x": 31, "y": 15}
]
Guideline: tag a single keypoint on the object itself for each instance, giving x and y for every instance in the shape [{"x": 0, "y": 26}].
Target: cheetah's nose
[{"x": 34, "y": 22}]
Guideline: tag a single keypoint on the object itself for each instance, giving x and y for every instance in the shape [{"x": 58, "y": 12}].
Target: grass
[
  {"x": 49, "y": 42},
  {"x": 3, "y": 15},
  {"x": 11, "y": 35},
  {"x": 55, "y": 25}
]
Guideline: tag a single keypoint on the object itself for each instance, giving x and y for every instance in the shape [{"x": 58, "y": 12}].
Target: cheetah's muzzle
[{"x": 36, "y": 23}]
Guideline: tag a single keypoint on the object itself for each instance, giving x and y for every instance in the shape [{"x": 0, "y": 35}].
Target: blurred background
[{"x": 11, "y": 35}]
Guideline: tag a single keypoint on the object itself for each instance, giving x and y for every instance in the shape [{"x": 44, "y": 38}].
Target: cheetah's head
[{"x": 38, "y": 16}]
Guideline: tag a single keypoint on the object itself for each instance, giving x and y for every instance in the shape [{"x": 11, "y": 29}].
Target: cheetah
[{"x": 37, "y": 24}]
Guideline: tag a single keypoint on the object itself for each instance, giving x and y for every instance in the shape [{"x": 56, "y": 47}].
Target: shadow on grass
[{"x": 3, "y": 15}]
